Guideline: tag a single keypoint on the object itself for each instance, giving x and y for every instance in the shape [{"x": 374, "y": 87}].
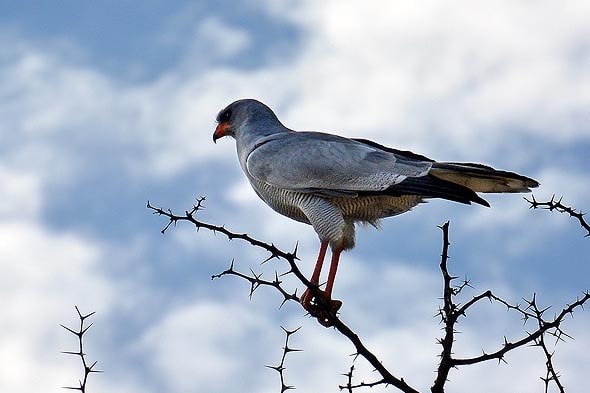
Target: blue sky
[{"x": 105, "y": 106}]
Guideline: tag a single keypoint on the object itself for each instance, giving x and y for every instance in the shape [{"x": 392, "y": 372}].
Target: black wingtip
[
  {"x": 479, "y": 200},
  {"x": 433, "y": 187}
]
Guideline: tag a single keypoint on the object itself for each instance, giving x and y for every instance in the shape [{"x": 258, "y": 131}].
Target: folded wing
[{"x": 329, "y": 164}]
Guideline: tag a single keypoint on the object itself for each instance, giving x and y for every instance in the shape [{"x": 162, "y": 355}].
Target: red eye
[{"x": 224, "y": 116}]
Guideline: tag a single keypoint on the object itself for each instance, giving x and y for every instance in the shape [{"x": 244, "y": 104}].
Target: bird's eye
[{"x": 224, "y": 116}]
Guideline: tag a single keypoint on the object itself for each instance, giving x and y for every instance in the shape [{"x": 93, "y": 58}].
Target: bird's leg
[
  {"x": 333, "y": 268},
  {"x": 321, "y": 306},
  {"x": 325, "y": 308},
  {"x": 315, "y": 277}
]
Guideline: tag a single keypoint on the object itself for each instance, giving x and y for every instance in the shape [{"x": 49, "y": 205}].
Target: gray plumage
[{"x": 332, "y": 182}]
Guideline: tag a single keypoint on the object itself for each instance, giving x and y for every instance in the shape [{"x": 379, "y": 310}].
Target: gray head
[{"x": 259, "y": 118}]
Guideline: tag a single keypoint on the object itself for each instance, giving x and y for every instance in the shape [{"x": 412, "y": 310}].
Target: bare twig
[
  {"x": 286, "y": 350},
  {"x": 350, "y": 386},
  {"x": 448, "y": 316},
  {"x": 551, "y": 374},
  {"x": 189, "y": 216},
  {"x": 256, "y": 282},
  {"x": 552, "y": 327},
  {"x": 556, "y": 205},
  {"x": 291, "y": 258},
  {"x": 88, "y": 369},
  {"x": 450, "y": 312}
]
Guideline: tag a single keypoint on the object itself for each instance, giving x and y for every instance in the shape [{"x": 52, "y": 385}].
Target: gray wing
[{"x": 328, "y": 164}]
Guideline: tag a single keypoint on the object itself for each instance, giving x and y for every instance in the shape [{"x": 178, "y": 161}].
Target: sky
[{"x": 106, "y": 105}]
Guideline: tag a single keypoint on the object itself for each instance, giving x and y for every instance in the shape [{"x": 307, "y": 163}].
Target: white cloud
[
  {"x": 458, "y": 83},
  {"x": 512, "y": 213},
  {"x": 44, "y": 275},
  {"x": 446, "y": 79},
  {"x": 566, "y": 182},
  {"x": 59, "y": 113},
  {"x": 20, "y": 193},
  {"x": 206, "y": 346},
  {"x": 224, "y": 40}
]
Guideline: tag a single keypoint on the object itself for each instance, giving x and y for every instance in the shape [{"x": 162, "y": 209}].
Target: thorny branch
[
  {"x": 88, "y": 369},
  {"x": 552, "y": 327},
  {"x": 448, "y": 315},
  {"x": 350, "y": 386},
  {"x": 450, "y": 312},
  {"x": 556, "y": 205},
  {"x": 286, "y": 350},
  {"x": 335, "y": 321},
  {"x": 256, "y": 282},
  {"x": 551, "y": 374}
]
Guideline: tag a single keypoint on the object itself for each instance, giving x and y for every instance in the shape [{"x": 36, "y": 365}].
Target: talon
[
  {"x": 320, "y": 307},
  {"x": 311, "y": 302},
  {"x": 305, "y": 299},
  {"x": 335, "y": 305}
]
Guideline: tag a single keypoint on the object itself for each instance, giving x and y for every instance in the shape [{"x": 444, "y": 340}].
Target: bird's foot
[{"x": 321, "y": 307}]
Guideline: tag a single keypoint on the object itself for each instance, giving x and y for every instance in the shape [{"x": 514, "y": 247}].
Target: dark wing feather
[{"x": 455, "y": 181}]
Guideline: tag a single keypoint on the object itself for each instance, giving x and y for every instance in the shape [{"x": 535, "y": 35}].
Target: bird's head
[{"x": 246, "y": 116}]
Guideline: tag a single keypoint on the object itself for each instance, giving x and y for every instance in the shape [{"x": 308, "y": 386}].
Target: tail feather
[
  {"x": 456, "y": 181},
  {"x": 432, "y": 187},
  {"x": 482, "y": 178}
]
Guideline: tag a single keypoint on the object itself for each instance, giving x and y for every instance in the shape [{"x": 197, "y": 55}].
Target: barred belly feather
[
  {"x": 369, "y": 209},
  {"x": 283, "y": 201},
  {"x": 333, "y": 218}
]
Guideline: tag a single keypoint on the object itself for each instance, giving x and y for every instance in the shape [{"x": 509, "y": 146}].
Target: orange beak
[{"x": 220, "y": 131}]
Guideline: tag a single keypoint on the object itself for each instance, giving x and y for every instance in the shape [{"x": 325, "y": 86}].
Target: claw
[{"x": 320, "y": 307}]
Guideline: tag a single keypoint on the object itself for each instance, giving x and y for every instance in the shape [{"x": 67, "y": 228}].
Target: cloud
[
  {"x": 44, "y": 275},
  {"x": 196, "y": 347},
  {"x": 224, "y": 40},
  {"x": 76, "y": 114},
  {"x": 20, "y": 191},
  {"x": 454, "y": 70},
  {"x": 507, "y": 80}
]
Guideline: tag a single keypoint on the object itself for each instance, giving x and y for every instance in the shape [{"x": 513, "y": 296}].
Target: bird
[{"x": 334, "y": 183}]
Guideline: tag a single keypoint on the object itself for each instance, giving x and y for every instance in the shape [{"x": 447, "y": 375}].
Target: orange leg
[
  {"x": 332, "y": 274},
  {"x": 315, "y": 277},
  {"x": 323, "y": 307}
]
